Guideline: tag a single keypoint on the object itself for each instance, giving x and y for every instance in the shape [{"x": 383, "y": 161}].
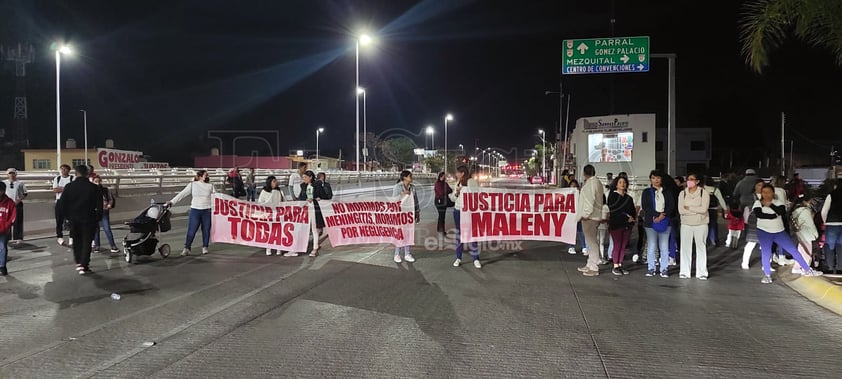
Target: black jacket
[
  {"x": 620, "y": 208},
  {"x": 81, "y": 201},
  {"x": 647, "y": 205}
]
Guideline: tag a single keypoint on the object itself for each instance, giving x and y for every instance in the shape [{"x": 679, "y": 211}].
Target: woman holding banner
[
  {"x": 272, "y": 196},
  {"x": 404, "y": 187},
  {"x": 200, "y": 210},
  {"x": 312, "y": 192},
  {"x": 462, "y": 180}
]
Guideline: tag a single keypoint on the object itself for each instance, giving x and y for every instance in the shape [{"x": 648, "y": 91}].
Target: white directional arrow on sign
[
  {"x": 582, "y": 48},
  {"x": 640, "y": 67},
  {"x": 625, "y": 58}
]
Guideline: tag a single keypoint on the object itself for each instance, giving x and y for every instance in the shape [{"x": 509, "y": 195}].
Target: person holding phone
[{"x": 621, "y": 218}]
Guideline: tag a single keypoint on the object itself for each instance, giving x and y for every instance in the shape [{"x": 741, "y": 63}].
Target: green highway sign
[{"x": 605, "y": 55}]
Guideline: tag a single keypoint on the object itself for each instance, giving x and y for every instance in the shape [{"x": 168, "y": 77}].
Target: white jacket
[
  {"x": 802, "y": 219},
  {"x": 201, "y": 193},
  {"x": 273, "y": 198},
  {"x": 590, "y": 200}
]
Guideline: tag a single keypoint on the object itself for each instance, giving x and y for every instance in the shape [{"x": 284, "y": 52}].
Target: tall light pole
[
  {"x": 564, "y": 142},
  {"x": 361, "y": 91},
  {"x": 363, "y": 39},
  {"x": 318, "y": 131},
  {"x": 59, "y": 51},
  {"x": 543, "y": 154},
  {"x": 448, "y": 117},
  {"x": 462, "y": 149},
  {"x": 85, "y": 122}
]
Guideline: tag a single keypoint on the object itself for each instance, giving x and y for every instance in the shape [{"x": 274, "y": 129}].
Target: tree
[
  {"x": 434, "y": 163},
  {"x": 398, "y": 150},
  {"x": 766, "y": 24}
]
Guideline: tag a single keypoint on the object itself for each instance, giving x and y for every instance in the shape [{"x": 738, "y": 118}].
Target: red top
[
  {"x": 7, "y": 213},
  {"x": 442, "y": 189},
  {"x": 734, "y": 222}
]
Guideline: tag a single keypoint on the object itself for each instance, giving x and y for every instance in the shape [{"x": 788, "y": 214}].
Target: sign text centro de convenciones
[{"x": 605, "y": 55}]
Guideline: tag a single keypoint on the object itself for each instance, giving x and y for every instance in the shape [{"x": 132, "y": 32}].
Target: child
[
  {"x": 736, "y": 224},
  {"x": 805, "y": 229}
]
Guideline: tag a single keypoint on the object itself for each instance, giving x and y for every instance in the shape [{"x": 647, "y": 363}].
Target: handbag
[{"x": 664, "y": 224}]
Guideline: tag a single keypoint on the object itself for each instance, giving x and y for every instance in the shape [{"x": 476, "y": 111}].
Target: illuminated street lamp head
[
  {"x": 64, "y": 49},
  {"x": 449, "y": 117},
  {"x": 360, "y": 90},
  {"x": 321, "y": 130},
  {"x": 540, "y": 131},
  {"x": 365, "y": 39},
  {"x": 430, "y": 130}
]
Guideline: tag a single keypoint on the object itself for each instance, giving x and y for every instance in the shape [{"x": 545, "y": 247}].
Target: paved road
[{"x": 355, "y": 313}]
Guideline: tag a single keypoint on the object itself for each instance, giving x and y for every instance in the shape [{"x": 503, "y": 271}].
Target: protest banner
[
  {"x": 390, "y": 220},
  {"x": 495, "y": 214},
  {"x": 284, "y": 227}
]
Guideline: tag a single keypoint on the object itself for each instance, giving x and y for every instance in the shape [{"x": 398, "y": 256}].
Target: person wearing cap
[
  {"x": 744, "y": 190},
  {"x": 16, "y": 190},
  {"x": 7, "y": 218}
]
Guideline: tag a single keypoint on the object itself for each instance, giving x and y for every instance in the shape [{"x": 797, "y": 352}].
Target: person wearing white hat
[{"x": 16, "y": 190}]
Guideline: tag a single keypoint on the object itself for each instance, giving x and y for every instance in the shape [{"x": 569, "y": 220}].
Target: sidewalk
[{"x": 825, "y": 291}]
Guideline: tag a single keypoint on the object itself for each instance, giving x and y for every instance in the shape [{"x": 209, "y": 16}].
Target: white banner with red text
[
  {"x": 496, "y": 214},
  {"x": 284, "y": 227},
  {"x": 383, "y": 220}
]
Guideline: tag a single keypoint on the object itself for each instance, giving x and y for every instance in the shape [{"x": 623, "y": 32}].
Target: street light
[
  {"x": 543, "y": 154},
  {"x": 363, "y": 39},
  {"x": 318, "y": 131},
  {"x": 431, "y": 132},
  {"x": 448, "y": 117},
  {"x": 462, "y": 149},
  {"x": 361, "y": 91},
  {"x": 63, "y": 49},
  {"x": 85, "y": 121}
]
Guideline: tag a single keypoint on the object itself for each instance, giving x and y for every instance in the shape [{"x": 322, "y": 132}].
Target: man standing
[
  {"x": 590, "y": 213},
  {"x": 744, "y": 190},
  {"x": 16, "y": 190},
  {"x": 58, "y": 186},
  {"x": 81, "y": 203},
  {"x": 295, "y": 180},
  {"x": 7, "y": 218}
]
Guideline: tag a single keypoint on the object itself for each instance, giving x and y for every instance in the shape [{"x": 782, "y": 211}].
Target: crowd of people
[{"x": 675, "y": 219}]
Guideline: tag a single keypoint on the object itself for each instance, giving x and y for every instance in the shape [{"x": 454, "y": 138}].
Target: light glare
[{"x": 365, "y": 39}]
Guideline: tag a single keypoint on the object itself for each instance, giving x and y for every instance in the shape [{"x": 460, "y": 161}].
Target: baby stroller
[{"x": 141, "y": 239}]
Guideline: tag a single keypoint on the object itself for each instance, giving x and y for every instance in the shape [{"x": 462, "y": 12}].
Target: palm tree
[{"x": 766, "y": 24}]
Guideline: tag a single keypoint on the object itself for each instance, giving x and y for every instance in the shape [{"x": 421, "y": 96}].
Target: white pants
[
  {"x": 806, "y": 249},
  {"x": 750, "y": 245},
  {"x": 699, "y": 235},
  {"x": 315, "y": 231},
  {"x": 733, "y": 238}
]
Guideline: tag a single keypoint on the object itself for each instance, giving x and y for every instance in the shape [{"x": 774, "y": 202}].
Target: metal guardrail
[{"x": 136, "y": 182}]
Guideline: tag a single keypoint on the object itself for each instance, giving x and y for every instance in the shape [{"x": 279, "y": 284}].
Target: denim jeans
[
  {"x": 472, "y": 246},
  {"x": 660, "y": 242},
  {"x": 832, "y": 241},
  {"x": 4, "y": 248},
  {"x": 713, "y": 226},
  {"x": 197, "y": 217},
  {"x": 105, "y": 225}
]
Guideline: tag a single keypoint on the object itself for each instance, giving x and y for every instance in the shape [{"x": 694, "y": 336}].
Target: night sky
[{"x": 158, "y": 75}]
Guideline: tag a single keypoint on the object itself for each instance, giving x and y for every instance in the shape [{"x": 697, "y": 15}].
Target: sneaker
[
  {"x": 409, "y": 258},
  {"x": 571, "y": 251},
  {"x": 672, "y": 261},
  {"x": 665, "y": 274},
  {"x": 114, "y": 249},
  {"x": 457, "y": 262},
  {"x": 268, "y": 251},
  {"x": 650, "y": 273},
  {"x": 82, "y": 271},
  {"x": 616, "y": 271},
  {"x": 744, "y": 266},
  {"x": 185, "y": 252},
  {"x": 812, "y": 273},
  {"x": 70, "y": 242},
  {"x": 623, "y": 271},
  {"x": 703, "y": 277},
  {"x": 205, "y": 251},
  {"x": 290, "y": 254},
  {"x": 397, "y": 258},
  {"x": 477, "y": 264},
  {"x": 766, "y": 280},
  {"x": 591, "y": 273},
  {"x": 603, "y": 262},
  {"x": 585, "y": 251},
  {"x": 79, "y": 267},
  {"x": 635, "y": 258},
  {"x": 683, "y": 276},
  {"x": 797, "y": 270},
  {"x": 583, "y": 269},
  {"x": 3, "y": 271},
  {"x": 93, "y": 245},
  {"x": 94, "y": 248},
  {"x": 60, "y": 241}
]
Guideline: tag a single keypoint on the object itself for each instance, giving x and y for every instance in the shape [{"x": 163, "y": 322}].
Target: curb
[{"x": 819, "y": 290}]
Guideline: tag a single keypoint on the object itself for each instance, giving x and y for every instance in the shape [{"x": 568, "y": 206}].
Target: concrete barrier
[{"x": 818, "y": 289}]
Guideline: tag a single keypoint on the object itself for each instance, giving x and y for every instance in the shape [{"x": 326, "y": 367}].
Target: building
[
  {"x": 99, "y": 158},
  {"x": 693, "y": 150},
  {"x": 273, "y": 163},
  {"x": 45, "y": 159}
]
